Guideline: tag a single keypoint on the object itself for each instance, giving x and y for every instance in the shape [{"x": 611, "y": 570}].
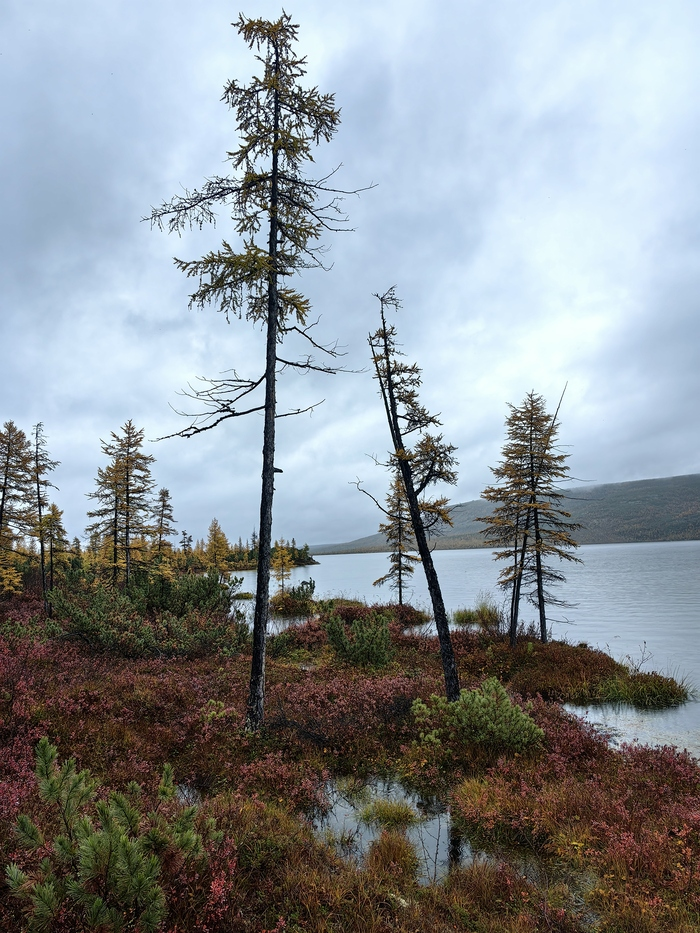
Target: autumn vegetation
[{"x": 223, "y": 839}]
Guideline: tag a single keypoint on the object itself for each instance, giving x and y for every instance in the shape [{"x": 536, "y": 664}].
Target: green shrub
[
  {"x": 105, "y": 858},
  {"x": 184, "y": 594},
  {"x": 108, "y": 621},
  {"x": 485, "y": 716},
  {"x": 296, "y": 601},
  {"x": 365, "y": 642},
  {"x": 280, "y": 645}
]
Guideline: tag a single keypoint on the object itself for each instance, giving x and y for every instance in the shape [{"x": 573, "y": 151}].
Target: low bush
[
  {"x": 108, "y": 621},
  {"x": 356, "y": 716},
  {"x": 184, "y": 594},
  {"x": 364, "y": 643},
  {"x": 280, "y": 645},
  {"x": 296, "y": 601},
  {"x": 486, "y": 716},
  {"x": 630, "y": 818},
  {"x": 406, "y": 616},
  {"x": 282, "y": 604},
  {"x": 309, "y": 635}
]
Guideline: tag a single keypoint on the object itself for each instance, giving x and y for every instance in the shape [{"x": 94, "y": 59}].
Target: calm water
[
  {"x": 631, "y": 600},
  {"x": 343, "y": 826}
]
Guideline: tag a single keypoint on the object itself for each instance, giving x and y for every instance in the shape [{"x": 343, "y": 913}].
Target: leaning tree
[
  {"x": 422, "y": 459},
  {"x": 528, "y": 525},
  {"x": 279, "y": 215}
]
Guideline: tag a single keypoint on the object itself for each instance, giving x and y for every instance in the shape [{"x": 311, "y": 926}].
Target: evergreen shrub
[
  {"x": 98, "y": 860},
  {"x": 366, "y": 642},
  {"x": 485, "y": 716},
  {"x": 109, "y": 621},
  {"x": 280, "y": 645},
  {"x": 184, "y": 594}
]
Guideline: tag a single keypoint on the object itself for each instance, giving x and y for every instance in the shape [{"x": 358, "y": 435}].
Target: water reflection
[{"x": 348, "y": 825}]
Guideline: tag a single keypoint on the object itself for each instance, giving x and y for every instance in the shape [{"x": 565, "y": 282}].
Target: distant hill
[{"x": 615, "y": 513}]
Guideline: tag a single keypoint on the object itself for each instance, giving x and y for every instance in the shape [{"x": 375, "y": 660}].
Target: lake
[{"x": 638, "y": 601}]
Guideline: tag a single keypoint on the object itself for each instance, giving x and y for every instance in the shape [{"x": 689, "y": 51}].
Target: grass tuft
[{"x": 389, "y": 814}]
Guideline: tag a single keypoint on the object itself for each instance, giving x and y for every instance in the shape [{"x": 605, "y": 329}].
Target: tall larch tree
[
  {"x": 163, "y": 528},
  {"x": 123, "y": 493},
  {"x": 217, "y": 549},
  {"x": 281, "y": 563},
  {"x": 16, "y": 513},
  {"x": 56, "y": 544},
  {"x": 42, "y": 465},
  {"x": 529, "y": 526},
  {"x": 279, "y": 215},
  {"x": 163, "y": 520},
  {"x": 422, "y": 459}
]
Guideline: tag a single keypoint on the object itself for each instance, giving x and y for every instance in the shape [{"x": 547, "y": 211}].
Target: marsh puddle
[
  {"x": 188, "y": 795},
  {"x": 360, "y": 811}
]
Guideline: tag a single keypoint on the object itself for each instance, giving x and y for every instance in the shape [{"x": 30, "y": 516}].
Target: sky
[{"x": 536, "y": 205}]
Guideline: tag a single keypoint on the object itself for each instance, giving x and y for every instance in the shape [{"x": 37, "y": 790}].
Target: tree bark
[
  {"x": 540, "y": 583},
  {"x": 449, "y": 665},
  {"x": 256, "y": 694},
  {"x": 42, "y": 550}
]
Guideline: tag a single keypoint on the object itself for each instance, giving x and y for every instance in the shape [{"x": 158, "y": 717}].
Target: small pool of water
[{"x": 348, "y": 827}]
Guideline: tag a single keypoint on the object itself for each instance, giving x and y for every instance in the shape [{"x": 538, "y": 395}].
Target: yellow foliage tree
[
  {"x": 217, "y": 549},
  {"x": 281, "y": 564}
]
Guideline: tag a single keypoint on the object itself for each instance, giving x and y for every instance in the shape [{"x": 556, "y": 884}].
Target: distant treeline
[{"x": 130, "y": 529}]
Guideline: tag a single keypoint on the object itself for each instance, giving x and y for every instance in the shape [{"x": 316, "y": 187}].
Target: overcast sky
[{"x": 537, "y": 207}]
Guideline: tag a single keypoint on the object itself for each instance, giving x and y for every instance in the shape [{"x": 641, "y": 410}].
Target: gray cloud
[{"x": 536, "y": 206}]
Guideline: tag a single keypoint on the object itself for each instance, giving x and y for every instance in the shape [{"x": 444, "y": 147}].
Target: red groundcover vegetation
[{"x": 614, "y": 833}]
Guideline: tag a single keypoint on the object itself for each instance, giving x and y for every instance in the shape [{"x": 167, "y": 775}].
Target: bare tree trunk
[
  {"x": 256, "y": 695},
  {"x": 127, "y": 519},
  {"x": 449, "y": 665},
  {"x": 115, "y": 541},
  {"x": 400, "y": 523},
  {"x": 515, "y": 597},
  {"x": 42, "y": 549},
  {"x": 517, "y": 581},
  {"x": 540, "y": 584}
]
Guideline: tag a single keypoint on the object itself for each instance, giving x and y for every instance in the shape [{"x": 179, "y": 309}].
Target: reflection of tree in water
[{"x": 438, "y": 843}]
